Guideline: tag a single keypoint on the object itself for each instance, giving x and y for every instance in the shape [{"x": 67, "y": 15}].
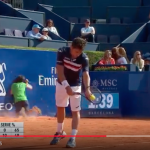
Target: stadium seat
[
  {"x": 24, "y": 33},
  {"x": 18, "y": 33},
  {"x": 148, "y": 38},
  {"x": 8, "y": 32},
  {"x": 1, "y": 31},
  {"x": 114, "y": 39},
  {"x": 127, "y": 20},
  {"x": 82, "y": 20},
  {"x": 73, "y": 19},
  {"x": 115, "y": 20},
  {"x": 102, "y": 39}
]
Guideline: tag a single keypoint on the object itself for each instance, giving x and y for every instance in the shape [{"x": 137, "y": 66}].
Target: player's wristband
[{"x": 65, "y": 83}]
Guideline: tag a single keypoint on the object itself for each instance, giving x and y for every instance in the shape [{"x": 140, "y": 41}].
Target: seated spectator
[
  {"x": 107, "y": 59},
  {"x": 146, "y": 61},
  {"x": 122, "y": 52},
  {"x": 117, "y": 57},
  {"x": 137, "y": 60},
  {"x": 34, "y": 33},
  {"x": 88, "y": 32},
  {"x": 45, "y": 34},
  {"x": 50, "y": 27}
]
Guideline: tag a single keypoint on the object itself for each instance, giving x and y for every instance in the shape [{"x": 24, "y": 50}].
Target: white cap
[{"x": 44, "y": 29}]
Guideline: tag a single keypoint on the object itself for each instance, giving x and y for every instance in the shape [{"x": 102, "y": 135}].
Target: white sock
[
  {"x": 74, "y": 132},
  {"x": 60, "y": 127}
]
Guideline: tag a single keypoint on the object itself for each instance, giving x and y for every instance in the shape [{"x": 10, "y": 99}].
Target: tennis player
[{"x": 71, "y": 62}]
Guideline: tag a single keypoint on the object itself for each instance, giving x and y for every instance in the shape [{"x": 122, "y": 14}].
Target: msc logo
[
  {"x": 108, "y": 82},
  {"x": 95, "y": 83},
  {"x": 105, "y": 83}
]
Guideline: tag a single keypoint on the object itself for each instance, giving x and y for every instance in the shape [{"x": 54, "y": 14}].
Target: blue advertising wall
[
  {"x": 111, "y": 85},
  {"x": 40, "y": 71},
  {"x": 124, "y": 93}
]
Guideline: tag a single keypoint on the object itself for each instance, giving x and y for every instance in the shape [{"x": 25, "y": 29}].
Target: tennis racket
[{"x": 96, "y": 92}]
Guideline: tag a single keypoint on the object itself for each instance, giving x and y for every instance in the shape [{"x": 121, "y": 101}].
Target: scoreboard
[{"x": 11, "y": 129}]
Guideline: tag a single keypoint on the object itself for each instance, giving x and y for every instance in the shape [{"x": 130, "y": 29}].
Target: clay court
[{"x": 47, "y": 126}]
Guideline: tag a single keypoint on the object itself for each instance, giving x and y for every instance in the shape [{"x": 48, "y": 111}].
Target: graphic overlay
[
  {"x": 11, "y": 129},
  {"x": 69, "y": 136}
]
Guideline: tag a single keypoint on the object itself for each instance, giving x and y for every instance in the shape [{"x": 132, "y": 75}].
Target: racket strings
[
  {"x": 94, "y": 90},
  {"x": 97, "y": 93}
]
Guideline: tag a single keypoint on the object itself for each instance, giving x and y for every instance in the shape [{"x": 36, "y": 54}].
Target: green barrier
[{"x": 94, "y": 56}]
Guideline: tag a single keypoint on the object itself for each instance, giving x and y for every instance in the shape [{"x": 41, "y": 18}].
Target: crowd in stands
[
  {"x": 35, "y": 32},
  {"x": 118, "y": 56},
  {"x": 87, "y": 32}
]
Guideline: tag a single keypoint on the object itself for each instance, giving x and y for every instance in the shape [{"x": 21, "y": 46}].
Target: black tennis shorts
[{"x": 20, "y": 104}]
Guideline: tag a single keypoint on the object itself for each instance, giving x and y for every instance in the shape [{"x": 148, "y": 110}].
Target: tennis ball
[{"x": 92, "y": 97}]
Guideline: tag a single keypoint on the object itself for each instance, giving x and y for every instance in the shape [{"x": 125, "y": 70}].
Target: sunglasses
[{"x": 138, "y": 54}]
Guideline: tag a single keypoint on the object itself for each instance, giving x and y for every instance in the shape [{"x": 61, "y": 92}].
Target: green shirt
[{"x": 19, "y": 91}]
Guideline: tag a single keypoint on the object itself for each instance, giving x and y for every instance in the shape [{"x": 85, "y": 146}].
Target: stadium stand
[
  {"x": 37, "y": 16},
  {"x": 115, "y": 22},
  {"x": 9, "y": 11},
  {"x": 134, "y": 14}
]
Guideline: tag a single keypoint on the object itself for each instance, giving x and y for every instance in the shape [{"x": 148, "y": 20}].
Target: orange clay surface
[{"x": 47, "y": 126}]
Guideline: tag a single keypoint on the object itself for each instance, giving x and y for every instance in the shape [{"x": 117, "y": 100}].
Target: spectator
[
  {"x": 88, "y": 32},
  {"x": 118, "y": 58},
  {"x": 34, "y": 33},
  {"x": 45, "y": 34},
  {"x": 137, "y": 60},
  {"x": 122, "y": 52},
  {"x": 147, "y": 61},
  {"x": 107, "y": 59},
  {"x": 50, "y": 27}
]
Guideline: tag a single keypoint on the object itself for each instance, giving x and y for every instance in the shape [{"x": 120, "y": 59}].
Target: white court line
[
  {"x": 91, "y": 147},
  {"x": 127, "y": 135},
  {"x": 114, "y": 145}
]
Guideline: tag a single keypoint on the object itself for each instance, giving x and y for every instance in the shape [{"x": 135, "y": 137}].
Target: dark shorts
[
  {"x": 89, "y": 37},
  {"x": 20, "y": 104}
]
